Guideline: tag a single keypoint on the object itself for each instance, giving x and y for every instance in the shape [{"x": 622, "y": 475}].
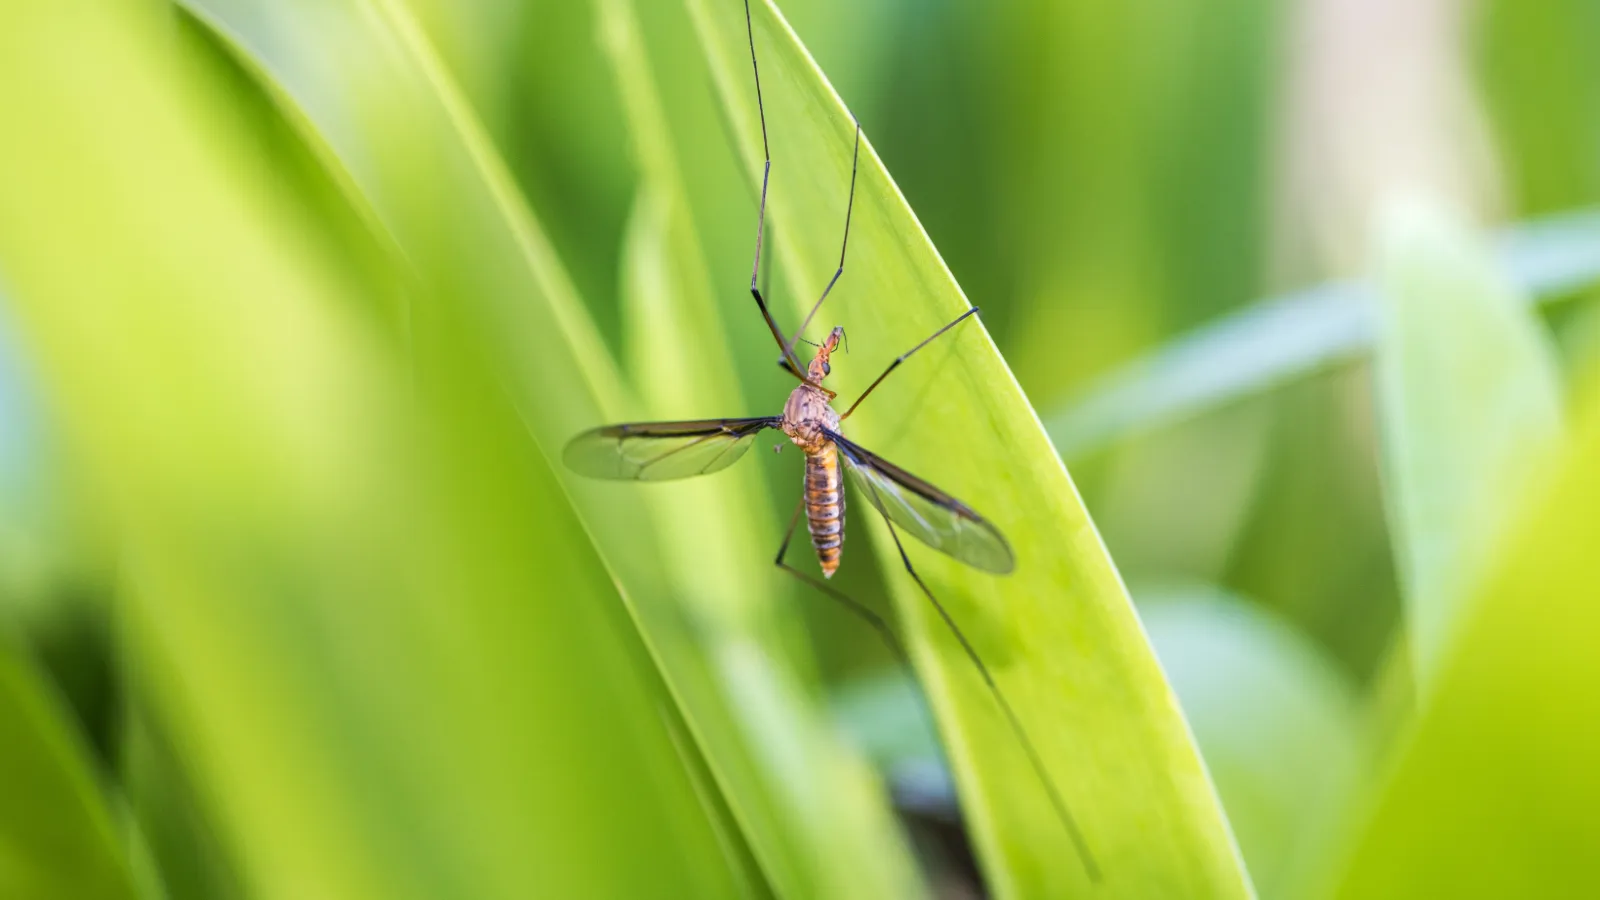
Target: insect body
[
  {"x": 663, "y": 451},
  {"x": 807, "y": 418}
]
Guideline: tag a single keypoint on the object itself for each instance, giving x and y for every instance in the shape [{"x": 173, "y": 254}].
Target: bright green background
[{"x": 299, "y": 301}]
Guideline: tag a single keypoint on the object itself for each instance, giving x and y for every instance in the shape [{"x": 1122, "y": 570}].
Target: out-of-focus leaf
[
  {"x": 1218, "y": 464},
  {"x": 57, "y": 838},
  {"x": 1315, "y": 548},
  {"x": 1470, "y": 406},
  {"x": 355, "y": 600},
  {"x": 478, "y": 41},
  {"x": 1126, "y": 239},
  {"x": 364, "y": 87},
  {"x": 1287, "y": 337},
  {"x": 883, "y": 712},
  {"x": 183, "y": 839},
  {"x": 1494, "y": 793},
  {"x": 813, "y": 816},
  {"x": 1276, "y": 721},
  {"x": 1059, "y": 633}
]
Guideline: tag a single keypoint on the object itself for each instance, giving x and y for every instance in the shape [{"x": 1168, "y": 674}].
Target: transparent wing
[
  {"x": 925, "y": 512},
  {"x": 661, "y": 451}
]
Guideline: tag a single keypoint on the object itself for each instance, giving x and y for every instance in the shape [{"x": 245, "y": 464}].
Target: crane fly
[{"x": 665, "y": 451}]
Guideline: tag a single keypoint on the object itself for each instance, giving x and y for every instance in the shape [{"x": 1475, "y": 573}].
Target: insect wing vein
[
  {"x": 662, "y": 451},
  {"x": 923, "y": 511}
]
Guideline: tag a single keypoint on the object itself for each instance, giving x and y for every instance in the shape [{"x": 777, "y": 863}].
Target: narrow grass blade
[
  {"x": 182, "y": 835},
  {"x": 1470, "y": 407},
  {"x": 57, "y": 838},
  {"x": 1494, "y": 792},
  {"x": 369, "y": 619},
  {"x": 1288, "y": 337},
  {"x": 361, "y": 82},
  {"x": 1060, "y": 633}
]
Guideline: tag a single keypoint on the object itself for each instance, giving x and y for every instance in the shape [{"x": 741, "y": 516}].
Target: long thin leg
[
  {"x": 789, "y": 362},
  {"x": 766, "y": 270},
  {"x": 1071, "y": 824},
  {"x": 854, "y": 606},
  {"x": 850, "y": 205},
  {"x": 865, "y": 613},
  {"x": 784, "y": 362},
  {"x": 902, "y": 358},
  {"x": 766, "y": 278}
]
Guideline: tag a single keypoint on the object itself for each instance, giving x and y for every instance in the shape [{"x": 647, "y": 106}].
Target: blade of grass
[
  {"x": 1470, "y": 409},
  {"x": 329, "y": 575},
  {"x": 181, "y": 834},
  {"x": 1494, "y": 793},
  {"x": 359, "y": 81},
  {"x": 57, "y": 838},
  {"x": 813, "y": 814},
  {"x": 1059, "y": 634},
  {"x": 1283, "y": 338}
]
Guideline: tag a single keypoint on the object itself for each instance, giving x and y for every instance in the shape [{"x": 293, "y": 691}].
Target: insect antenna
[
  {"x": 1062, "y": 812},
  {"x": 784, "y": 363}
]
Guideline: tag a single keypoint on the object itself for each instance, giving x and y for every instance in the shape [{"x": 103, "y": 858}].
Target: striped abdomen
[{"x": 825, "y": 506}]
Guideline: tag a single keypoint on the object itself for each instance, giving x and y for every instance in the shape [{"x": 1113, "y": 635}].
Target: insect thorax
[{"x": 805, "y": 416}]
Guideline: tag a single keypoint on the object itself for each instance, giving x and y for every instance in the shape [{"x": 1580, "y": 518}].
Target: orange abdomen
[{"x": 825, "y": 506}]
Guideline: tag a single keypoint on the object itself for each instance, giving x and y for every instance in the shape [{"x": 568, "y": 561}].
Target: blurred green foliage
[
  {"x": 1493, "y": 793},
  {"x": 299, "y": 300},
  {"x": 58, "y": 835},
  {"x": 1470, "y": 411}
]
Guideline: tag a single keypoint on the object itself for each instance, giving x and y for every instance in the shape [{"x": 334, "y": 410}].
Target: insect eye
[{"x": 827, "y": 369}]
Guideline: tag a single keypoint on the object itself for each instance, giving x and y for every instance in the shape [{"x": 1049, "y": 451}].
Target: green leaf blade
[
  {"x": 1059, "y": 634},
  {"x": 355, "y": 607},
  {"x": 1283, "y": 338},
  {"x": 57, "y": 837},
  {"x": 1493, "y": 792},
  {"x": 1470, "y": 408}
]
